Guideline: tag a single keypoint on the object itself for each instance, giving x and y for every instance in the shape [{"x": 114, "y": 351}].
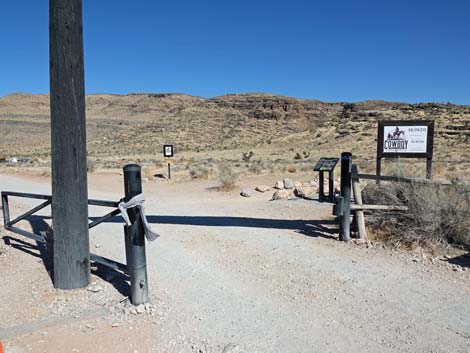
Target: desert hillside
[{"x": 275, "y": 128}]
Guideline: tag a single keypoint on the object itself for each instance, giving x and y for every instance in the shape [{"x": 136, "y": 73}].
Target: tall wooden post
[
  {"x": 134, "y": 238},
  {"x": 68, "y": 140}
]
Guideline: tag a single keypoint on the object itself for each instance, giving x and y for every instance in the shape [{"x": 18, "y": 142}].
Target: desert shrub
[
  {"x": 297, "y": 156},
  {"x": 306, "y": 154},
  {"x": 291, "y": 168},
  {"x": 437, "y": 216},
  {"x": 199, "y": 172},
  {"x": 256, "y": 167},
  {"x": 227, "y": 177}
]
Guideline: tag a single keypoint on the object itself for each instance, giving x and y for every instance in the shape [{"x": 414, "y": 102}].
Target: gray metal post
[
  {"x": 68, "y": 145},
  {"x": 321, "y": 186},
  {"x": 429, "y": 168},
  {"x": 134, "y": 238},
  {"x": 331, "y": 186},
  {"x": 6, "y": 210},
  {"x": 378, "y": 169},
  {"x": 346, "y": 165},
  {"x": 169, "y": 171}
]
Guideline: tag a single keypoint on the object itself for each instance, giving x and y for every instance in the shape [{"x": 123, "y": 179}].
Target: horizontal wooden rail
[
  {"x": 404, "y": 179},
  {"x": 356, "y": 207}
]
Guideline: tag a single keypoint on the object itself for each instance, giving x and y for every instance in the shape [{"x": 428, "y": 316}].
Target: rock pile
[{"x": 289, "y": 189}]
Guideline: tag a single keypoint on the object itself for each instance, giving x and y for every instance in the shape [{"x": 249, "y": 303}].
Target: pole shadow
[
  {"x": 462, "y": 260},
  {"x": 311, "y": 228},
  {"x": 45, "y": 252}
]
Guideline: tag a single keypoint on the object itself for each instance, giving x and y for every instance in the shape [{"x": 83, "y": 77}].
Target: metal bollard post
[
  {"x": 321, "y": 185},
  {"x": 134, "y": 238},
  {"x": 6, "y": 210},
  {"x": 346, "y": 165},
  {"x": 331, "y": 186}
]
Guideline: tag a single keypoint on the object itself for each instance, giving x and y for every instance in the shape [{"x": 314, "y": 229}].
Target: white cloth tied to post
[{"x": 137, "y": 201}]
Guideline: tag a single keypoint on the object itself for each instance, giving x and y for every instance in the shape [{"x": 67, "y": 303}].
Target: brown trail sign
[{"x": 68, "y": 133}]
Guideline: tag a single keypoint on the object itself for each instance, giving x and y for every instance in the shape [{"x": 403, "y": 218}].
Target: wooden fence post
[
  {"x": 68, "y": 144},
  {"x": 360, "y": 220}
]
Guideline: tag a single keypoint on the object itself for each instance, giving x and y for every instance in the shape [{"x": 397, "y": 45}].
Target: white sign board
[
  {"x": 405, "y": 139},
  {"x": 167, "y": 151}
]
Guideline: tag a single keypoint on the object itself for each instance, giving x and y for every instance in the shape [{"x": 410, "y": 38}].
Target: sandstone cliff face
[{"x": 140, "y": 123}]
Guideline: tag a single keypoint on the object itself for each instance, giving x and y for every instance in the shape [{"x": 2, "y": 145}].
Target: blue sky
[{"x": 399, "y": 50}]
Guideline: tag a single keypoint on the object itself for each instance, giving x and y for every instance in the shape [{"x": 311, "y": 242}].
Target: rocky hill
[{"x": 136, "y": 125}]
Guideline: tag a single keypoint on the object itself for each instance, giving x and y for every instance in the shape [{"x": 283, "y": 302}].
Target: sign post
[
  {"x": 168, "y": 153},
  {"x": 405, "y": 139},
  {"x": 326, "y": 165},
  {"x": 68, "y": 143}
]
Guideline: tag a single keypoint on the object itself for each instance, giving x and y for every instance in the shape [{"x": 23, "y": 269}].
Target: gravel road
[{"x": 266, "y": 276}]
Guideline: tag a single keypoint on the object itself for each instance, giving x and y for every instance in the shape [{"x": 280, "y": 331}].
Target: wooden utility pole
[{"x": 68, "y": 140}]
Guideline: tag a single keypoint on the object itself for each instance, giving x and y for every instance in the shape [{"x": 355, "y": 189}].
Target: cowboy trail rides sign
[
  {"x": 405, "y": 139},
  {"x": 409, "y": 139}
]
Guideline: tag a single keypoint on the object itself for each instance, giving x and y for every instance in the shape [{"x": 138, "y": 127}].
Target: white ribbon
[{"x": 137, "y": 201}]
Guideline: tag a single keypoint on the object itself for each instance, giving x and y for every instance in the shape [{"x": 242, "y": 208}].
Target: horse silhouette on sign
[{"x": 396, "y": 135}]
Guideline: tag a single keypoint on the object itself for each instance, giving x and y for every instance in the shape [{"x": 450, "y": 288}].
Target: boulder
[
  {"x": 297, "y": 184},
  {"x": 262, "y": 188},
  {"x": 246, "y": 192},
  {"x": 305, "y": 191},
  {"x": 279, "y": 185},
  {"x": 288, "y": 183},
  {"x": 282, "y": 195}
]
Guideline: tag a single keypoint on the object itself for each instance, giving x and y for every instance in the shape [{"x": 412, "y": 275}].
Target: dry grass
[
  {"x": 438, "y": 215},
  {"x": 233, "y": 127},
  {"x": 199, "y": 172}
]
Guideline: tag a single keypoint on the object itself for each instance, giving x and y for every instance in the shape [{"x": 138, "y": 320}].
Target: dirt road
[{"x": 265, "y": 276}]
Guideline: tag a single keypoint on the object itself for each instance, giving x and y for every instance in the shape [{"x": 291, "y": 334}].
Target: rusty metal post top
[{"x": 132, "y": 168}]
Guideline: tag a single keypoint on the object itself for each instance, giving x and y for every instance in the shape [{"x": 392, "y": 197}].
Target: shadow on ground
[
  {"x": 45, "y": 251},
  {"x": 462, "y": 261},
  {"x": 311, "y": 228},
  {"x": 120, "y": 281}
]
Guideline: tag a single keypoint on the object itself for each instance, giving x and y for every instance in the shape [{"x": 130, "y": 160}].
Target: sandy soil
[{"x": 264, "y": 276}]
